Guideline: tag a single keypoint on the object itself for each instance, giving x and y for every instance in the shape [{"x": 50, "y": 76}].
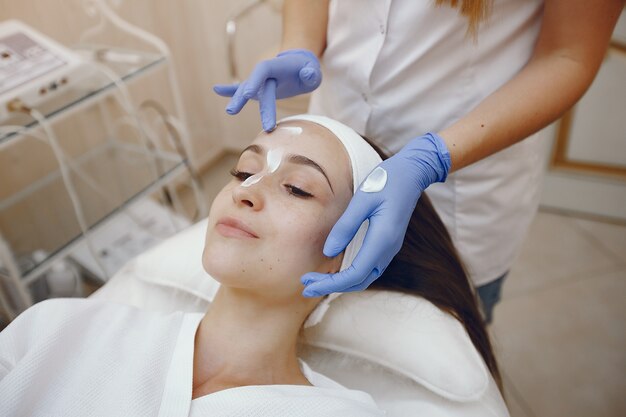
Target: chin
[
  {"x": 221, "y": 265},
  {"x": 230, "y": 267}
]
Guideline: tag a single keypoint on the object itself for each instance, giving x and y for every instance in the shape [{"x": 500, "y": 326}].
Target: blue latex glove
[
  {"x": 292, "y": 72},
  {"x": 421, "y": 162}
]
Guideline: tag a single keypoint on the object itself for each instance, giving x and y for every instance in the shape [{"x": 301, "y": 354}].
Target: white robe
[{"x": 80, "y": 357}]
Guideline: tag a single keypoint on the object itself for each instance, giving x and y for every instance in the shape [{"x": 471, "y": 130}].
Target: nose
[{"x": 249, "y": 196}]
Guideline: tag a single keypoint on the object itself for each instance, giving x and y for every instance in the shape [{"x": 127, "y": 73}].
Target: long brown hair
[
  {"x": 476, "y": 11},
  {"x": 429, "y": 266}
]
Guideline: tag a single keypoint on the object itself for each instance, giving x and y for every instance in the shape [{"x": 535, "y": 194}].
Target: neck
[{"x": 245, "y": 339}]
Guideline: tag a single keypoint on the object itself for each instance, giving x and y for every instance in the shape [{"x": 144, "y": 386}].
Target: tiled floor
[{"x": 560, "y": 330}]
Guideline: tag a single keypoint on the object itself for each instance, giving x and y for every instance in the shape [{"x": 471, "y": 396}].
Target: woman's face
[{"x": 288, "y": 209}]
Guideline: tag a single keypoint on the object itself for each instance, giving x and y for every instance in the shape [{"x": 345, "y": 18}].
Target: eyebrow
[{"x": 294, "y": 159}]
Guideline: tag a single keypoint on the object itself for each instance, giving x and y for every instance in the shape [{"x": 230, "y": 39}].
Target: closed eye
[
  {"x": 240, "y": 175},
  {"x": 297, "y": 191},
  {"x": 291, "y": 189}
]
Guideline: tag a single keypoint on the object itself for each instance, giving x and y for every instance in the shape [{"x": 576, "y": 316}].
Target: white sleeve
[
  {"x": 12, "y": 341},
  {"x": 30, "y": 326},
  {"x": 6, "y": 362}
]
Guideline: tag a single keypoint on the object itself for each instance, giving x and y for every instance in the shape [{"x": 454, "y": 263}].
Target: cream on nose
[
  {"x": 273, "y": 160},
  {"x": 253, "y": 179}
]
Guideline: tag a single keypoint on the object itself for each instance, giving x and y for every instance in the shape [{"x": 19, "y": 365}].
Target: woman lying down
[{"x": 266, "y": 228}]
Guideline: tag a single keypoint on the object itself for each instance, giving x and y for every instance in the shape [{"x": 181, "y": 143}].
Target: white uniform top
[
  {"x": 77, "y": 357},
  {"x": 394, "y": 70}
]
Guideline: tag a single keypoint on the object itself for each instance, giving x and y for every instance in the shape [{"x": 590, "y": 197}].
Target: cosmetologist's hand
[
  {"x": 421, "y": 162},
  {"x": 292, "y": 72}
]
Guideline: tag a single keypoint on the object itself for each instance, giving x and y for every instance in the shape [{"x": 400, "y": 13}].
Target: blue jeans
[{"x": 489, "y": 295}]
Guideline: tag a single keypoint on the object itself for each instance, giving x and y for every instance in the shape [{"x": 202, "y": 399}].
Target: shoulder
[
  {"x": 83, "y": 323},
  {"x": 51, "y": 311},
  {"x": 70, "y": 316},
  {"x": 40, "y": 325},
  {"x": 58, "y": 310},
  {"x": 61, "y": 305},
  {"x": 47, "y": 318}
]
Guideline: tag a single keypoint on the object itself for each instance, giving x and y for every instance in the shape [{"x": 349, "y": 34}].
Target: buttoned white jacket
[{"x": 396, "y": 69}]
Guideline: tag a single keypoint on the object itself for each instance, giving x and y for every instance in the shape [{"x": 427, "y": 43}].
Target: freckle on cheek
[{"x": 319, "y": 238}]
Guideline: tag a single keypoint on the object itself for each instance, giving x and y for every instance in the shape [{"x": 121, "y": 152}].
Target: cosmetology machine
[
  {"x": 93, "y": 207},
  {"x": 33, "y": 68}
]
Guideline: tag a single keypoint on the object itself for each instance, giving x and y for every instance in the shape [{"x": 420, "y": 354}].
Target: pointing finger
[
  {"x": 267, "y": 105},
  {"x": 238, "y": 100},
  {"x": 225, "y": 90}
]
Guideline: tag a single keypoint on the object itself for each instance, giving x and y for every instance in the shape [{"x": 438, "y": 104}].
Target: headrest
[{"x": 407, "y": 335}]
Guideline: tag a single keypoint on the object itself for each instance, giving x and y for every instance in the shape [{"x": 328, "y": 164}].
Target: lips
[{"x": 231, "y": 227}]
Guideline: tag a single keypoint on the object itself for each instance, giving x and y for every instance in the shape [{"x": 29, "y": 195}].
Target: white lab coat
[
  {"x": 78, "y": 357},
  {"x": 394, "y": 70}
]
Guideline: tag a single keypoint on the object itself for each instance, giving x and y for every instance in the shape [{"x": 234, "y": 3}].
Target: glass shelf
[
  {"x": 125, "y": 64},
  {"x": 110, "y": 177}
]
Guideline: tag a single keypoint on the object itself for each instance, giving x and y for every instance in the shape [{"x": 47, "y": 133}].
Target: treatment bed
[{"x": 411, "y": 357}]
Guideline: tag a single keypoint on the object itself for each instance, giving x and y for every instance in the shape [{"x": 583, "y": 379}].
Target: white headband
[{"x": 363, "y": 159}]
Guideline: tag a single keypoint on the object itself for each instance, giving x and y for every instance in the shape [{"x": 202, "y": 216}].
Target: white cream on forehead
[
  {"x": 274, "y": 157},
  {"x": 294, "y": 130}
]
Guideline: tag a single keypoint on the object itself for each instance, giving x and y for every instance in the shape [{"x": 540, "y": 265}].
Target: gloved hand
[
  {"x": 421, "y": 162},
  {"x": 292, "y": 72}
]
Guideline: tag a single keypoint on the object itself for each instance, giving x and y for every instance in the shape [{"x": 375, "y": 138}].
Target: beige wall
[{"x": 194, "y": 31}]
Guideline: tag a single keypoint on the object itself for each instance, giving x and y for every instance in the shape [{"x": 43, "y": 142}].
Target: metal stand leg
[{"x": 25, "y": 300}]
